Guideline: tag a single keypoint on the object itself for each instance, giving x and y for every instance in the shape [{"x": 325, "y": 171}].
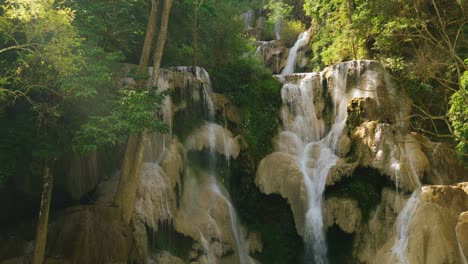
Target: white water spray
[
  {"x": 300, "y": 43},
  {"x": 404, "y": 219}
]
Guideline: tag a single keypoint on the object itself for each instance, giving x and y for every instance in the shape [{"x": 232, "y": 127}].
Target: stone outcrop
[
  {"x": 224, "y": 107},
  {"x": 280, "y": 173},
  {"x": 378, "y": 229},
  {"x": 343, "y": 212},
  {"x": 165, "y": 258},
  {"x": 224, "y": 143},
  {"x": 358, "y": 100},
  {"x": 433, "y": 229},
  {"x": 462, "y": 232},
  {"x": 273, "y": 54},
  {"x": 90, "y": 234}
]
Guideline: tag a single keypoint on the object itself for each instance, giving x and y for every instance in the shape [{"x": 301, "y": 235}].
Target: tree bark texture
[
  {"x": 161, "y": 42},
  {"x": 195, "y": 38},
  {"x": 43, "y": 219},
  {"x": 125, "y": 197},
  {"x": 150, "y": 31}
]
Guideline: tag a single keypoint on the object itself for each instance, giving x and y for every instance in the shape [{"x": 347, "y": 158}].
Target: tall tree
[
  {"x": 126, "y": 192},
  {"x": 162, "y": 37},
  {"x": 42, "y": 74},
  {"x": 149, "y": 36},
  {"x": 195, "y": 37}
]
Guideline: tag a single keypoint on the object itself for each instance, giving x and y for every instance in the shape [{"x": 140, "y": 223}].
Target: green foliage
[
  {"x": 338, "y": 37},
  {"x": 133, "y": 112},
  {"x": 221, "y": 39},
  {"x": 54, "y": 77},
  {"x": 282, "y": 12},
  {"x": 364, "y": 186},
  {"x": 253, "y": 89},
  {"x": 278, "y": 10},
  {"x": 422, "y": 43},
  {"x": 116, "y": 26},
  {"x": 290, "y": 30},
  {"x": 458, "y": 115}
]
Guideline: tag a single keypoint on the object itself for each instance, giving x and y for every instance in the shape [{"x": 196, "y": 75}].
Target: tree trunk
[
  {"x": 195, "y": 38},
  {"x": 150, "y": 30},
  {"x": 43, "y": 220},
  {"x": 125, "y": 196},
  {"x": 161, "y": 42},
  {"x": 126, "y": 191},
  {"x": 351, "y": 9}
]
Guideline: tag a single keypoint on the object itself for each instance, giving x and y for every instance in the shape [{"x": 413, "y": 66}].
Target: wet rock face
[
  {"x": 224, "y": 107},
  {"x": 280, "y": 173},
  {"x": 357, "y": 112},
  {"x": 90, "y": 234},
  {"x": 361, "y": 110},
  {"x": 343, "y": 212},
  {"x": 273, "y": 54},
  {"x": 462, "y": 232},
  {"x": 433, "y": 227}
]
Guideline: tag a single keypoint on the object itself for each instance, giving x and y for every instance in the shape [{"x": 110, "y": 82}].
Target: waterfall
[
  {"x": 291, "y": 62},
  {"x": 316, "y": 158},
  {"x": 402, "y": 228},
  {"x": 238, "y": 236},
  {"x": 460, "y": 249},
  {"x": 313, "y": 139},
  {"x": 215, "y": 139},
  {"x": 248, "y": 19},
  {"x": 217, "y": 189},
  {"x": 277, "y": 29}
]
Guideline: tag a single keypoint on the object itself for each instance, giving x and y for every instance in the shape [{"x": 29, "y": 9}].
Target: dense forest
[{"x": 85, "y": 89}]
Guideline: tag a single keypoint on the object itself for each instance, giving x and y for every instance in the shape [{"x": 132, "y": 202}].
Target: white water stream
[
  {"x": 402, "y": 227},
  {"x": 215, "y": 186},
  {"x": 460, "y": 249},
  {"x": 292, "y": 56}
]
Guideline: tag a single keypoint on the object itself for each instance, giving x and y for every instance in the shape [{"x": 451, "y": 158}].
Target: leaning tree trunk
[
  {"x": 125, "y": 196},
  {"x": 43, "y": 220},
  {"x": 126, "y": 191},
  {"x": 150, "y": 30},
  {"x": 195, "y": 38},
  {"x": 161, "y": 42}
]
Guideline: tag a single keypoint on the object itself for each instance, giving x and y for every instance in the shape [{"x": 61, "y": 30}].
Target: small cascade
[
  {"x": 463, "y": 259},
  {"x": 313, "y": 136},
  {"x": 316, "y": 161},
  {"x": 291, "y": 62},
  {"x": 277, "y": 29},
  {"x": 248, "y": 19},
  {"x": 405, "y": 169},
  {"x": 205, "y": 194},
  {"x": 402, "y": 227},
  {"x": 240, "y": 240}
]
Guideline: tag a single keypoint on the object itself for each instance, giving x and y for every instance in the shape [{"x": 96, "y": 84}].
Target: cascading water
[
  {"x": 402, "y": 227},
  {"x": 406, "y": 215},
  {"x": 291, "y": 62},
  {"x": 277, "y": 29},
  {"x": 208, "y": 182},
  {"x": 315, "y": 142},
  {"x": 460, "y": 249}
]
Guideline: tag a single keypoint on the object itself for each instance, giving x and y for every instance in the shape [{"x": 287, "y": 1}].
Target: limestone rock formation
[
  {"x": 433, "y": 227},
  {"x": 273, "y": 54},
  {"x": 280, "y": 173},
  {"x": 393, "y": 152},
  {"x": 90, "y": 234},
  {"x": 462, "y": 232},
  {"x": 378, "y": 228},
  {"x": 165, "y": 257},
  {"x": 227, "y": 109},
  {"x": 343, "y": 212},
  {"x": 224, "y": 142}
]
